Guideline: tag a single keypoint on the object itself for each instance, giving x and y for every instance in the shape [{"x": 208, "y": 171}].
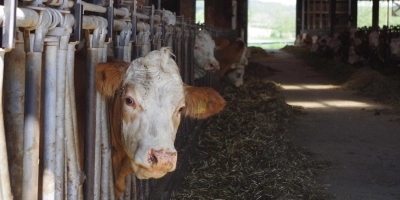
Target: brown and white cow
[
  {"x": 232, "y": 58},
  {"x": 204, "y": 60},
  {"x": 146, "y": 100}
]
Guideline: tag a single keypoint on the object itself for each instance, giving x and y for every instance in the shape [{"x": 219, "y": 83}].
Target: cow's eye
[
  {"x": 196, "y": 47},
  {"x": 181, "y": 108},
  {"x": 129, "y": 101}
]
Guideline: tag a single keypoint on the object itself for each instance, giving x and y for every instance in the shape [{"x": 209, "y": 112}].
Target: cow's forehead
[
  {"x": 204, "y": 38},
  {"x": 156, "y": 79}
]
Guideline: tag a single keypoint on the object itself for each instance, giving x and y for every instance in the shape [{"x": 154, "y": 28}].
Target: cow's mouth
[{"x": 146, "y": 173}]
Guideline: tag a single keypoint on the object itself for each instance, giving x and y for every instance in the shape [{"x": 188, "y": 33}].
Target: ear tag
[{"x": 201, "y": 109}]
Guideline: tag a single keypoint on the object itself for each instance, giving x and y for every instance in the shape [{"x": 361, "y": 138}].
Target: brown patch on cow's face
[{"x": 176, "y": 118}]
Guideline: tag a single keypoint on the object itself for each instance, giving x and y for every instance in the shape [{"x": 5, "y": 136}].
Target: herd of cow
[
  {"x": 381, "y": 48},
  {"x": 147, "y": 97}
]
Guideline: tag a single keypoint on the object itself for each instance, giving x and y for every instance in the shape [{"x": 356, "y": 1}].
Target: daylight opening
[
  {"x": 271, "y": 23},
  {"x": 389, "y": 13},
  {"x": 331, "y": 103},
  {"x": 200, "y": 11},
  {"x": 309, "y": 87}
]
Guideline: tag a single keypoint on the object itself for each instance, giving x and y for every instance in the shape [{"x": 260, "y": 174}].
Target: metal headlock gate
[{"x": 38, "y": 122}]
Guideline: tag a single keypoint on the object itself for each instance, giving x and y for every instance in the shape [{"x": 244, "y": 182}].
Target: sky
[{"x": 285, "y": 2}]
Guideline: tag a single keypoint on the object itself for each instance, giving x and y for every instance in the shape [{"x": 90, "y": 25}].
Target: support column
[
  {"x": 375, "y": 14},
  {"x": 354, "y": 13},
  {"x": 332, "y": 15}
]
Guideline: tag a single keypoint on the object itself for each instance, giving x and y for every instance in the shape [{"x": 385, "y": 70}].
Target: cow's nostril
[
  {"x": 152, "y": 158},
  {"x": 212, "y": 66}
]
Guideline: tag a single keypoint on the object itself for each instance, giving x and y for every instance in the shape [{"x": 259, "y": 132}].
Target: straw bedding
[{"x": 246, "y": 151}]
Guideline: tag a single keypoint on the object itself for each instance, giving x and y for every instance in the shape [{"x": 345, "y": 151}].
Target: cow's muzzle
[{"x": 160, "y": 160}]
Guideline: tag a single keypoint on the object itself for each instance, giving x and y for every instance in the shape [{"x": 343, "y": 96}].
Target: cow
[
  {"x": 314, "y": 46},
  {"x": 297, "y": 41},
  {"x": 204, "y": 60},
  {"x": 232, "y": 58},
  {"x": 305, "y": 40},
  {"x": 353, "y": 57},
  {"x": 236, "y": 75},
  {"x": 146, "y": 99},
  {"x": 395, "y": 48}
]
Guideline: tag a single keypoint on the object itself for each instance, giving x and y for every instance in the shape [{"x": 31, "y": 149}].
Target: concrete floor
[{"x": 360, "y": 137}]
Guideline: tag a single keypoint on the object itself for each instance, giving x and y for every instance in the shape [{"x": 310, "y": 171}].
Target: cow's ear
[
  {"x": 221, "y": 43},
  {"x": 202, "y": 102},
  {"x": 109, "y": 76}
]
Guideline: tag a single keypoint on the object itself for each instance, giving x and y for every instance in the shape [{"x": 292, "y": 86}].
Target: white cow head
[
  {"x": 395, "y": 47},
  {"x": 148, "y": 98},
  {"x": 204, "y": 59},
  {"x": 169, "y": 18}
]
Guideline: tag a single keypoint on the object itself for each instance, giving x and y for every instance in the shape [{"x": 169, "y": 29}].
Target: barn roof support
[{"x": 375, "y": 14}]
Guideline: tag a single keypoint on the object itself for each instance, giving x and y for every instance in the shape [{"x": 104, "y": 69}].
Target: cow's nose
[
  {"x": 214, "y": 65},
  {"x": 162, "y": 160}
]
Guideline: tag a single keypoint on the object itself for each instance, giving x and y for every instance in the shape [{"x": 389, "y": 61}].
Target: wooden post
[
  {"x": 332, "y": 14},
  {"x": 375, "y": 14}
]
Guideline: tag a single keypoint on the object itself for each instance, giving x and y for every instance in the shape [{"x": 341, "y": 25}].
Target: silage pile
[
  {"x": 246, "y": 153},
  {"x": 257, "y": 52},
  {"x": 360, "y": 78}
]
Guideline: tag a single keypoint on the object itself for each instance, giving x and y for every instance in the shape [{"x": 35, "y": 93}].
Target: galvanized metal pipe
[
  {"x": 71, "y": 129},
  {"x": 97, "y": 165},
  {"x": 14, "y": 97},
  {"x": 111, "y": 182},
  {"x": 32, "y": 125},
  {"x": 60, "y": 115},
  {"x": 24, "y": 17},
  {"x": 119, "y": 49},
  {"x": 49, "y": 116},
  {"x": 100, "y": 9},
  {"x": 128, "y": 189},
  {"x": 90, "y": 128},
  {"x": 105, "y": 152},
  {"x": 5, "y": 187}
]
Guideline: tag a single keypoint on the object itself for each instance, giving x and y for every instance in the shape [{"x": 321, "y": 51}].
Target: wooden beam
[
  {"x": 332, "y": 15},
  {"x": 375, "y": 14}
]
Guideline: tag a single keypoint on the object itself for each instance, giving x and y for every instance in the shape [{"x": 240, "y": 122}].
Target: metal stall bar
[
  {"x": 74, "y": 171},
  {"x": 136, "y": 47},
  {"x": 14, "y": 97},
  {"x": 7, "y": 44},
  {"x": 15, "y": 88},
  {"x": 49, "y": 116},
  {"x": 90, "y": 22},
  {"x": 34, "y": 49}
]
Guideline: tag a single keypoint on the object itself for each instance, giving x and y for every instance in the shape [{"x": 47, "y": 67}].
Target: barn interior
[{"x": 286, "y": 132}]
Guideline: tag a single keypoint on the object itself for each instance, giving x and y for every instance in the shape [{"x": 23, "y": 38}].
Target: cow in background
[
  {"x": 306, "y": 40},
  {"x": 146, "y": 99},
  {"x": 315, "y": 45},
  {"x": 297, "y": 42},
  {"x": 232, "y": 57},
  {"x": 204, "y": 60}
]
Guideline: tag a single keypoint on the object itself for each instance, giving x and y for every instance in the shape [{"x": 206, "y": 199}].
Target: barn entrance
[{"x": 271, "y": 23}]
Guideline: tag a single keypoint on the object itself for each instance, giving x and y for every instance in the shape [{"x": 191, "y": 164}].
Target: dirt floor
[{"x": 358, "y": 136}]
